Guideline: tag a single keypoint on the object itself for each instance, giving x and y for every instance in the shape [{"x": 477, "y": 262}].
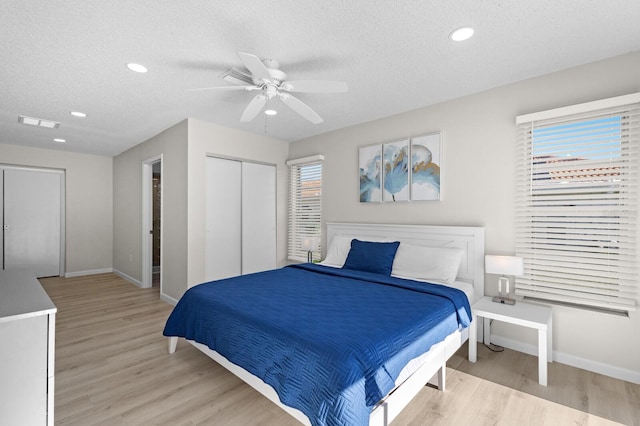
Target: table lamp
[
  {"x": 309, "y": 244},
  {"x": 504, "y": 265}
]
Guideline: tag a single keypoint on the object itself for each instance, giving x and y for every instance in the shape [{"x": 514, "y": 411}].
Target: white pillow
[
  {"x": 338, "y": 251},
  {"x": 427, "y": 263},
  {"x": 340, "y": 246}
]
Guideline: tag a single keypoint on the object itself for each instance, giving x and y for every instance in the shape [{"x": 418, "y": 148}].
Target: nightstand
[{"x": 522, "y": 313}]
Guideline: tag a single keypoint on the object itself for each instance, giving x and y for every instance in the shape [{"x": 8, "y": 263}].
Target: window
[
  {"x": 577, "y": 204},
  {"x": 305, "y": 208}
]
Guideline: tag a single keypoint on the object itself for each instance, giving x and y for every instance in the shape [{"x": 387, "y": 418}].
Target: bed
[{"x": 370, "y": 347}]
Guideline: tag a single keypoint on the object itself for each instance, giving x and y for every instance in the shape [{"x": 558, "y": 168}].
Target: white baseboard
[
  {"x": 168, "y": 299},
  {"x": 572, "y": 360},
  {"x": 128, "y": 278},
  {"x": 89, "y": 272},
  {"x": 163, "y": 297}
]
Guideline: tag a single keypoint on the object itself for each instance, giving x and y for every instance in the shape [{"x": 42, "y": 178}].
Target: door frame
[
  {"x": 147, "y": 221},
  {"x": 63, "y": 196}
]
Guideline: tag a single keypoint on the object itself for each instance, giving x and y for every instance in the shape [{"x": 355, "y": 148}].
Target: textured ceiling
[{"x": 62, "y": 56}]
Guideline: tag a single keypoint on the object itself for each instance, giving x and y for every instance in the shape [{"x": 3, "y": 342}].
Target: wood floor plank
[{"x": 113, "y": 368}]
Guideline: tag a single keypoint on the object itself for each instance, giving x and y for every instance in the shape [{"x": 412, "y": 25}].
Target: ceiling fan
[{"x": 266, "y": 76}]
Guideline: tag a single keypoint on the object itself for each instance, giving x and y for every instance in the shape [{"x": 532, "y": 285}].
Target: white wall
[
  {"x": 127, "y": 209},
  {"x": 211, "y": 139},
  {"x": 184, "y": 148},
  {"x": 479, "y": 137},
  {"x": 89, "y": 203}
]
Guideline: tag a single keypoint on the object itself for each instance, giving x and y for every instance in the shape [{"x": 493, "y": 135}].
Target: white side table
[{"x": 522, "y": 313}]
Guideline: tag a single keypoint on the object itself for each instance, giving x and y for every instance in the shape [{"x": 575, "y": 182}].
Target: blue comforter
[{"x": 331, "y": 342}]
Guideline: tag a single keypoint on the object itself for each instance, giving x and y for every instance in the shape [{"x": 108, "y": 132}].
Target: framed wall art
[
  {"x": 426, "y": 159},
  {"x": 370, "y": 165},
  {"x": 395, "y": 171}
]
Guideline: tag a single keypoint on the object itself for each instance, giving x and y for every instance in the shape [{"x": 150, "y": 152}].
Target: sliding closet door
[
  {"x": 258, "y": 217},
  {"x": 240, "y": 218},
  {"x": 223, "y": 220},
  {"x": 32, "y": 221}
]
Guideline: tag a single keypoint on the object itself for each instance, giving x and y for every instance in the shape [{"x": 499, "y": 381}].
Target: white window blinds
[
  {"x": 577, "y": 204},
  {"x": 305, "y": 208}
]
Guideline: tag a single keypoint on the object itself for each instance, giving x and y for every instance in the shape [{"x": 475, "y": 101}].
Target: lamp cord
[
  {"x": 491, "y": 346},
  {"x": 494, "y": 348}
]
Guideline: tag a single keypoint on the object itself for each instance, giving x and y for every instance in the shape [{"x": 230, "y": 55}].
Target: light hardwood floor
[{"x": 112, "y": 368}]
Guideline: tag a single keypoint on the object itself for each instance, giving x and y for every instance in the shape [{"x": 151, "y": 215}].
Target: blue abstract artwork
[
  {"x": 425, "y": 167},
  {"x": 403, "y": 170},
  {"x": 396, "y": 171},
  {"x": 370, "y": 173}
]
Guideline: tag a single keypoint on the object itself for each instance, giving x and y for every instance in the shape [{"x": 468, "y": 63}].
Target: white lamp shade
[
  {"x": 504, "y": 265},
  {"x": 310, "y": 243}
]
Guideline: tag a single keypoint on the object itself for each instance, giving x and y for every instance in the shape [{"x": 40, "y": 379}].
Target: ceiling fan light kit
[{"x": 266, "y": 76}]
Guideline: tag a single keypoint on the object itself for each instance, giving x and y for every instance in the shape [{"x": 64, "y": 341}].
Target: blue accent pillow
[{"x": 370, "y": 256}]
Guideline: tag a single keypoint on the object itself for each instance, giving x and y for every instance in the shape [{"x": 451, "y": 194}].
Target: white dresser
[{"x": 27, "y": 350}]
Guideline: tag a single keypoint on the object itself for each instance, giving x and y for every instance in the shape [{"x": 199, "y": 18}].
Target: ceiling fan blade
[
  {"x": 255, "y": 106},
  {"x": 315, "y": 86},
  {"x": 247, "y": 88},
  {"x": 255, "y": 65},
  {"x": 301, "y": 108}
]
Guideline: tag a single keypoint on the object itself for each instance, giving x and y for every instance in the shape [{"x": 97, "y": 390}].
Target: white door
[
  {"x": 32, "y": 220},
  {"x": 258, "y": 217},
  {"x": 223, "y": 219}
]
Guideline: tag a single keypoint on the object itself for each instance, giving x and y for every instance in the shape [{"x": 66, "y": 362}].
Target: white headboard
[{"x": 469, "y": 238}]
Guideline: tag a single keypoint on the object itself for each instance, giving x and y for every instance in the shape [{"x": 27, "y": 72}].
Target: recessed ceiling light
[
  {"x": 270, "y": 111},
  {"x": 59, "y": 140},
  {"x": 137, "y": 67},
  {"x": 78, "y": 114},
  {"x": 461, "y": 34}
]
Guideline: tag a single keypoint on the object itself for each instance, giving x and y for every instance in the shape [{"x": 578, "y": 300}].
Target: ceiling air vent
[{"x": 38, "y": 122}]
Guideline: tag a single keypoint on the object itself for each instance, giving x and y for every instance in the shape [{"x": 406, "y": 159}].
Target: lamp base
[{"x": 504, "y": 300}]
